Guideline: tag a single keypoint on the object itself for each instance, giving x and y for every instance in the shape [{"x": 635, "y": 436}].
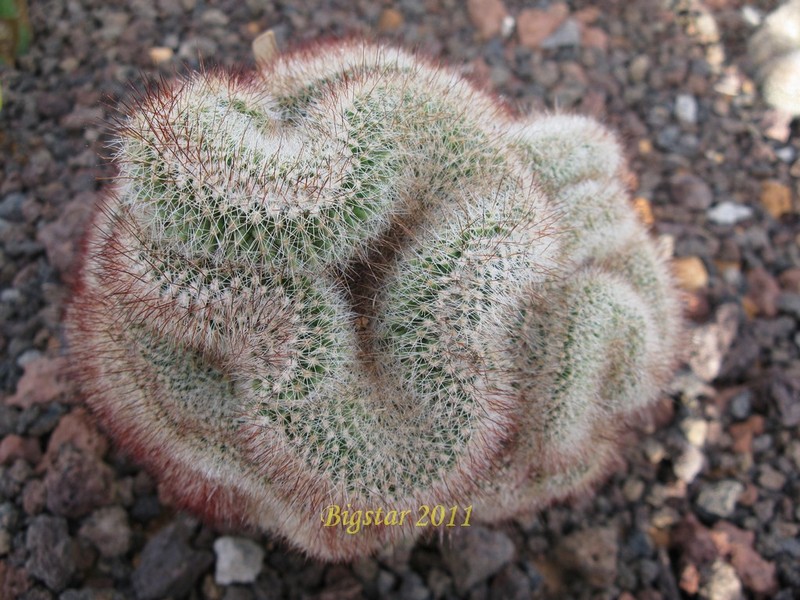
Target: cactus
[{"x": 351, "y": 278}]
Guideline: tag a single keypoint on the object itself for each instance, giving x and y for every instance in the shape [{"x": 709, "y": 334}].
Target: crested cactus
[{"x": 353, "y": 279}]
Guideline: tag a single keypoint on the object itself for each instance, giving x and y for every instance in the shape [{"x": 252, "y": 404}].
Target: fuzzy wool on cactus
[{"x": 352, "y": 278}]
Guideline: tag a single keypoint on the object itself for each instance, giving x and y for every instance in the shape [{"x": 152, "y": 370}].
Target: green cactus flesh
[{"x": 354, "y": 279}]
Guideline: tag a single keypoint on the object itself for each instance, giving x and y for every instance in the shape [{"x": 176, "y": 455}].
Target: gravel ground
[{"x": 706, "y": 504}]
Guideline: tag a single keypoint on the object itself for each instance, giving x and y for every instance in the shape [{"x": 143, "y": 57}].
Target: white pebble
[
  {"x": 239, "y": 560},
  {"x": 686, "y": 108},
  {"x": 729, "y": 213}
]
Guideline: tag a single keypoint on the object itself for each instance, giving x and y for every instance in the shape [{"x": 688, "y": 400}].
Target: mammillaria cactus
[{"x": 351, "y": 279}]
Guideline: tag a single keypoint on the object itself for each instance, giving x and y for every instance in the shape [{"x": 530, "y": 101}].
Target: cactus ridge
[{"x": 353, "y": 278}]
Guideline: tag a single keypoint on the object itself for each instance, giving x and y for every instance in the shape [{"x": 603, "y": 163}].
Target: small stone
[
  {"x": 239, "y": 560},
  {"x": 722, "y": 583},
  {"x": 34, "y": 497},
  {"x": 78, "y": 429},
  {"x": 776, "y": 198},
  {"x": 82, "y": 118},
  {"x": 265, "y": 47},
  {"x": 763, "y": 290},
  {"x": 594, "y": 37},
  {"x": 689, "y": 464},
  {"x": 161, "y": 54},
  {"x": 633, "y": 489},
  {"x": 108, "y": 529},
  {"x": 214, "y": 17},
  {"x": 43, "y": 381},
  {"x": 487, "y": 17},
  {"x": 690, "y": 579},
  {"x": 592, "y": 553},
  {"x": 638, "y": 68},
  {"x": 644, "y": 210},
  {"x": 693, "y": 541},
  {"x": 771, "y": 479},
  {"x": 60, "y": 238},
  {"x": 412, "y": 587},
  {"x": 741, "y": 405},
  {"x": 785, "y": 392},
  {"x": 169, "y": 566},
  {"x": 719, "y": 499},
  {"x": 686, "y": 109},
  {"x": 785, "y": 154},
  {"x": 654, "y": 450},
  {"x": 695, "y": 430},
  {"x": 729, "y": 213},
  {"x": 568, "y": 35},
  {"x": 14, "y": 446},
  {"x": 757, "y": 574},
  {"x": 711, "y": 342},
  {"x": 475, "y": 554},
  {"x": 50, "y": 552},
  {"x": 391, "y": 19},
  {"x": 691, "y": 191},
  {"x": 690, "y": 272},
  {"x": 534, "y": 25},
  {"x": 77, "y": 483},
  {"x": 512, "y": 584},
  {"x": 789, "y": 304},
  {"x": 5, "y": 542}
]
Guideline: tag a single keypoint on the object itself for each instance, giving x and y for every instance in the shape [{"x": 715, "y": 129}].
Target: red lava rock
[
  {"x": 749, "y": 496},
  {"x": 592, "y": 553},
  {"x": 790, "y": 280},
  {"x": 587, "y": 15},
  {"x": 757, "y": 574},
  {"x": 76, "y": 428},
  {"x": 594, "y": 37},
  {"x": 14, "y": 446},
  {"x": 487, "y": 16},
  {"x": 77, "y": 482},
  {"x": 34, "y": 497},
  {"x": 693, "y": 540},
  {"x": 13, "y": 581},
  {"x": 743, "y": 433},
  {"x": 61, "y": 237},
  {"x": 534, "y": 25},
  {"x": 82, "y": 117},
  {"x": 690, "y": 579},
  {"x": 44, "y": 380},
  {"x": 763, "y": 290}
]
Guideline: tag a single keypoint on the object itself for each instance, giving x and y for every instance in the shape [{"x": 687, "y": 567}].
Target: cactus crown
[{"x": 352, "y": 278}]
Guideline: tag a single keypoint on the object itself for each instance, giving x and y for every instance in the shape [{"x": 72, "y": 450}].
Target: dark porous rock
[
  {"x": 238, "y": 592},
  {"x": 592, "y": 553},
  {"x": 691, "y": 191},
  {"x": 475, "y": 554},
  {"x": 146, "y": 508},
  {"x": 169, "y": 566},
  {"x": 92, "y": 594},
  {"x": 13, "y": 478},
  {"x": 511, "y": 584},
  {"x": 785, "y": 392},
  {"x": 77, "y": 483},
  {"x": 51, "y": 551},
  {"x": 14, "y": 581},
  {"x": 412, "y": 587},
  {"x": 34, "y": 497}
]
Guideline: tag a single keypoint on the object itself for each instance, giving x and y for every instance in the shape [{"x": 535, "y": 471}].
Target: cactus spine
[{"x": 352, "y": 278}]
